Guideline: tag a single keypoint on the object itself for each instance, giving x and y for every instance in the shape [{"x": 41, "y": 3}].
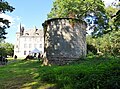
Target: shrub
[{"x": 91, "y": 74}]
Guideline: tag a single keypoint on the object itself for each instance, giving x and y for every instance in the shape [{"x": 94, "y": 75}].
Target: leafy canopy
[
  {"x": 81, "y": 9},
  {"x": 116, "y": 17},
  {"x": 77, "y": 8},
  {"x": 4, "y": 7}
]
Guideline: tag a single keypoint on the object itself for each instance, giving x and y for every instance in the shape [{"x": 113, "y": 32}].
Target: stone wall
[{"x": 65, "y": 40}]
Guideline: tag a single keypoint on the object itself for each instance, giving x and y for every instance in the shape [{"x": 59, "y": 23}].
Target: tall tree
[
  {"x": 81, "y": 9},
  {"x": 4, "y": 7}
]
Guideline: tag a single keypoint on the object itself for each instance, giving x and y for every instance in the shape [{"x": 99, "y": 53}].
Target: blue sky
[{"x": 29, "y": 13}]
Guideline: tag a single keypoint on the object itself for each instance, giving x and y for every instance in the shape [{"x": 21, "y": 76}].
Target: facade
[
  {"x": 65, "y": 40},
  {"x": 28, "y": 40}
]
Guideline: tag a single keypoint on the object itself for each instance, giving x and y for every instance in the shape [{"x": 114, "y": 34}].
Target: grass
[
  {"x": 21, "y": 75},
  {"x": 92, "y": 73}
]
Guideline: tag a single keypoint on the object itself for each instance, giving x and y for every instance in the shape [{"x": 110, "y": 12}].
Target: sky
[{"x": 30, "y": 13}]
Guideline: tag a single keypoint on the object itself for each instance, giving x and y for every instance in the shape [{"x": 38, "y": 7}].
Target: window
[
  {"x": 25, "y": 45},
  {"x": 37, "y": 33},
  {"x": 40, "y": 45},
  {"x": 16, "y": 46},
  {"x": 29, "y": 52},
  {"x": 29, "y": 45},
  {"x": 24, "y": 52},
  {"x": 27, "y": 33}
]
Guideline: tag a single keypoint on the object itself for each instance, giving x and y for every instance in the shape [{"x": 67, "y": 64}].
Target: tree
[
  {"x": 113, "y": 13},
  {"x": 4, "y": 7},
  {"x": 6, "y": 49},
  {"x": 107, "y": 44},
  {"x": 116, "y": 17},
  {"x": 81, "y": 9}
]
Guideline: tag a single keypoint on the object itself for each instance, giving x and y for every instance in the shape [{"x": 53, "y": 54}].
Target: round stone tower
[{"x": 65, "y": 40}]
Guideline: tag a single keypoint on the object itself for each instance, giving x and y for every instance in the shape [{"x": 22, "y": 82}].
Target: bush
[{"x": 91, "y": 74}]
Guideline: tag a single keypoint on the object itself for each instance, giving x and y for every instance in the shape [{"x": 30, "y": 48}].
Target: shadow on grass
[
  {"x": 22, "y": 75},
  {"x": 30, "y": 74}
]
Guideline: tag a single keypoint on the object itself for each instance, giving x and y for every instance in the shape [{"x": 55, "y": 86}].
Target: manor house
[{"x": 28, "y": 40}]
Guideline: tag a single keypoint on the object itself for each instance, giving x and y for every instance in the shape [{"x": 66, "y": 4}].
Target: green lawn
[
  {"x": 21, "y": 75},
  {"x": 92, "y": 73}
]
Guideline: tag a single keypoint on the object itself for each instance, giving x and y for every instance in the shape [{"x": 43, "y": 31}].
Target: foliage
[
  {"x": 76, "y": 8},
  {"x": 4, "y": 7},
  {"x": 107, "y": 44},
  {"x": 117, "y": 19},
  {"x": 93, "y": 73},
  {"x": 81, "y": 9},
  {"x": 102, "y": 73},
  {"x": 22, "y": 75},
  {"x": 114, "y": 17},
  {"x": 6, "y": 49},
  {"x": 1, "y": 40}
]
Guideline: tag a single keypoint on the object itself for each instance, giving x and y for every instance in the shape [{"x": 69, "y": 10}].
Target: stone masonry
[{"x": 65, "y": 40}]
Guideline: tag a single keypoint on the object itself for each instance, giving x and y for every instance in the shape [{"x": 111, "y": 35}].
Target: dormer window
[
  {"x": 37, "y": 33},
  {"x": 27, "y": 33}
]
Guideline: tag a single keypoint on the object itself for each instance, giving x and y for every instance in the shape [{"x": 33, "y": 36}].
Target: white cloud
[
  {"x": 7, "y": 17},
  {"x": 13, "y": 20},
  {"x": 14, "y": 26},
  {"x": 18, "y": 18},
  {"x": 109, "y": 2}
]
